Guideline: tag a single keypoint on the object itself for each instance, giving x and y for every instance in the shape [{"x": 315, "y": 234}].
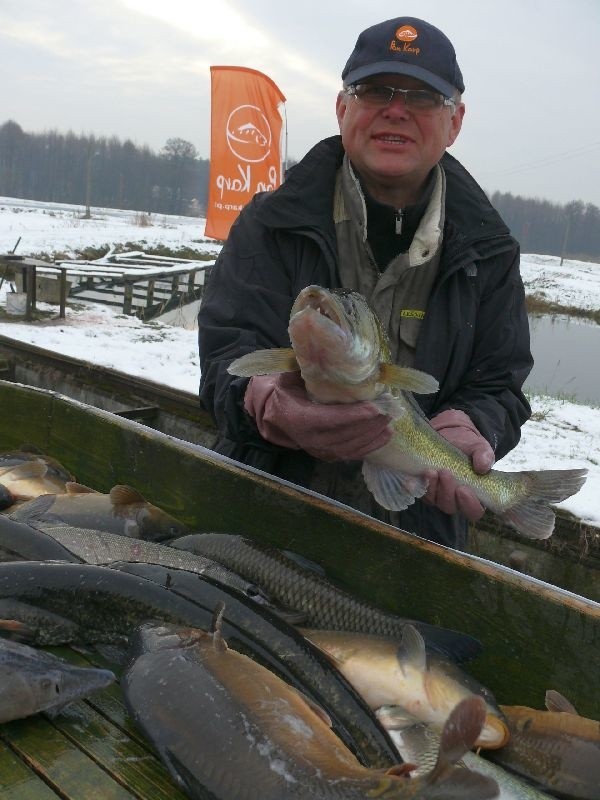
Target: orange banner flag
[{"x": 245, "y": 143}]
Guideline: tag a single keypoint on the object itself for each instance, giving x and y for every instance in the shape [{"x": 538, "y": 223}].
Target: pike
[{"x": 342, "y": 352}]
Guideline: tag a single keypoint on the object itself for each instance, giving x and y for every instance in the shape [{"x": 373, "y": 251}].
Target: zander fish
[
  {"x": 123, "y": 511},
  {"x": 343, "y": 355},
  {"x": 244, "y": 733},
  {"x": 32, "y": 681},
  {"x": 399, "y": 672}
]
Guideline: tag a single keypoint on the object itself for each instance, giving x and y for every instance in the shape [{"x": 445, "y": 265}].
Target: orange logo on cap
[{"x": 406, "y": 33}]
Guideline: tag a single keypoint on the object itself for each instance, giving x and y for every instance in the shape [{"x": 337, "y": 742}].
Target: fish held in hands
[{"x": 343, "y": 355}]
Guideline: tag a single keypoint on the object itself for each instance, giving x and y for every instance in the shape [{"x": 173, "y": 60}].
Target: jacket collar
[{"x": 304, "y": 201}]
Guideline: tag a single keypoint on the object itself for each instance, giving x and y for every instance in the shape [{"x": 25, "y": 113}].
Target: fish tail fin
[
  {"x": 460, "y": 733},
  {"x": 532, "y": 516}
]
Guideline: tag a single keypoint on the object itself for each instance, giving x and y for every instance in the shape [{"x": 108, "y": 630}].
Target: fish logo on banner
[{"x": 245, "y": 150}]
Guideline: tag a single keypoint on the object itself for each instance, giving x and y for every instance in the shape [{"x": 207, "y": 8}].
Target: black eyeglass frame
[{"x": 411, "y": 97}]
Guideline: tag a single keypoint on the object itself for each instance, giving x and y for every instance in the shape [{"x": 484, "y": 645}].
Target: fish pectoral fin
[
  {"x": 411, "y": 380},
  {"x": 392, "y": 490},
  {"x": 555, "y": 701},
  {"x": 389, "y": 405},
  {"x": 264, "y": 362},
  {"x": 411, "y": 650}
]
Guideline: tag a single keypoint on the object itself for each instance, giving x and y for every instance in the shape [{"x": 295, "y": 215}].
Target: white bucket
[{"x": 16, "y": 303}]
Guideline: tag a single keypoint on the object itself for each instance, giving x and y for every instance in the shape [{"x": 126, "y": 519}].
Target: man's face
[{"x": 394, "y": 148}]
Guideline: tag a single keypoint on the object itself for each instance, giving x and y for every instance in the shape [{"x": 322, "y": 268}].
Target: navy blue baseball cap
[{"x": 405, "y": 46}]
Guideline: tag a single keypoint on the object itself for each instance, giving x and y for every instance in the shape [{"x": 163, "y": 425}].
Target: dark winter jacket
[{"x": 474, "y": 338}]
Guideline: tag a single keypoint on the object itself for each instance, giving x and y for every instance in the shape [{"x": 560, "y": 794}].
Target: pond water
[
  {"x": 566, "y": 353},
  {"x": 567, "y": 358}
]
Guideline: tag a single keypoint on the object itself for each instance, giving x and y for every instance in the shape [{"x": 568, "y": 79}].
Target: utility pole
[
  {"x": 91, "y": 155},
  {"x": 563, "y": 249}
]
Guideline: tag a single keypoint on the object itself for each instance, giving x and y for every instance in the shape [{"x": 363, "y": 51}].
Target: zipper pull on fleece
[{"x": 399, "y": 215}]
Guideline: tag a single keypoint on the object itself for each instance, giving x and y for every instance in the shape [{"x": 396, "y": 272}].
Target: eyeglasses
[{"x": 422, "y": 101}]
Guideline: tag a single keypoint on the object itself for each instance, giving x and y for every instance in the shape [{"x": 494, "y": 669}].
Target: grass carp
[
  {"x": 32, "y": 681},
  {"x": 78, "y": 603},
  {"x": 325, "y": 605},
  {"x": 37, "y": 541},
  {"x": 244, "y": 734},
  {"x": 399, "y": 672},
  {"x": 342, "y": 352}
]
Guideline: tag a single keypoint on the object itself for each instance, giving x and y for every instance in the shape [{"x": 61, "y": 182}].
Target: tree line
[
  {"x": 103, "y": 172},
  {"x": 107, "y": 172}
]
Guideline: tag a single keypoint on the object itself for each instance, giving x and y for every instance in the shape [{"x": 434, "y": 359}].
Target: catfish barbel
[{"x": 343, "y": 355}]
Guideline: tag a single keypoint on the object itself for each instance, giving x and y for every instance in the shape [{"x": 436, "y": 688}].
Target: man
[{"x": 383, "y": 210}]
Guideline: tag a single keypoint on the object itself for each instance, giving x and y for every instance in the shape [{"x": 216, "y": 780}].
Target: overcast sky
[{"x": 139, "y": 69}]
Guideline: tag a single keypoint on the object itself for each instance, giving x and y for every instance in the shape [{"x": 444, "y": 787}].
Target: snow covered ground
[{"x": 561, "y": 434}]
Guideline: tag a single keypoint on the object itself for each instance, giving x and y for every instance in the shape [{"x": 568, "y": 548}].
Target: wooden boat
[
  {"x": 535, "y": 636},
  {"x": 569, "y": 559}
]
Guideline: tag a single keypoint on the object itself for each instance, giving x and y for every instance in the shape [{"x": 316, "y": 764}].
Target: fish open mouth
[
  {"x": 494, "y": 734},
  {"x": 313, "y": 297}
]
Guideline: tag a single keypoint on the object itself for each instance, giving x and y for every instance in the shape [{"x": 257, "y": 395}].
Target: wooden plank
[
  {"x": 100, "y": 729},
  {"x": 63, "y": 767},
  {"x": 18, "y": 781}
]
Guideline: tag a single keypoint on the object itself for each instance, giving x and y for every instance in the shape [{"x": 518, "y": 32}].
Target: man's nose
[{"x": 397, "y": 105}]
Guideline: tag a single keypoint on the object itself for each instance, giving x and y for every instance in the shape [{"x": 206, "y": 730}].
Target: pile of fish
[{"x": 246, "y": 664}]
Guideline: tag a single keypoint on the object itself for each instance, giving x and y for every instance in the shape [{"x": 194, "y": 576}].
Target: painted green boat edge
[{"x": 535, "y": 636}]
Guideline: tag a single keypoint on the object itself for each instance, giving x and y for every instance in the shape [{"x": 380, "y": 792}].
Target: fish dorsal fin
[
  {"x": 78, "y": 488},
  {"x": 555, "y": 701},
  {"x": 411, "y": 380},
  {"x": 27, "y": 470},
  {"x": 219, "y": 643},
  {"x": 411, "y": 650},
  {"x": 123, "y": 495},
  {"x": 264, "y": 362}
]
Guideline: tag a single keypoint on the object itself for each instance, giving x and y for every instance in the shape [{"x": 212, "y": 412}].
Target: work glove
[
  {"x": 443, "y": 491},
  {"x": 286, "y": 416}
]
